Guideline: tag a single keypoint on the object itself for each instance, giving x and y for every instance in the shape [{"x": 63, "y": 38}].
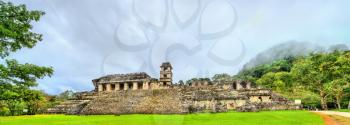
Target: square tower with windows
[{"x": 166, "y": 75}]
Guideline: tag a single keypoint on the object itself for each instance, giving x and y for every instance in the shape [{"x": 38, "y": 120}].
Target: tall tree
[
  {"x": 15, "y": 34},
  {"x": 340, "y": 71},
  {"x": 314, "y": 72}
]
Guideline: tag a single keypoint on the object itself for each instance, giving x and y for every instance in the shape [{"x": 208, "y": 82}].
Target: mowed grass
[{"x": 229, "y": 118}]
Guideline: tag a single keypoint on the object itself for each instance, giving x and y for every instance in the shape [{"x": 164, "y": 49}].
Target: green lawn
[{"x": 230, "y": 118}]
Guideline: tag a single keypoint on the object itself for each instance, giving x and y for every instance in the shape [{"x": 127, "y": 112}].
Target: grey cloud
[{"x": 79, "y": 38}]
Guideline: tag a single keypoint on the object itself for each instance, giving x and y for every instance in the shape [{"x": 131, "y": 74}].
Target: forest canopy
[{"x": 320, "y": 79}]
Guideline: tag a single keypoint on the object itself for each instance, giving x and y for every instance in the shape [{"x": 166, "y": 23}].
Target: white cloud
[{"x": 79, "y": 34}]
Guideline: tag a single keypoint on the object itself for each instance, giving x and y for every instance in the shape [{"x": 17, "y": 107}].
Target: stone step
[{"x": 66, "y": 106}]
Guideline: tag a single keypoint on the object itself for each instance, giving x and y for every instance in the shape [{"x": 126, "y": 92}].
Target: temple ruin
[
  {"x": 142, "y": 81},
  {"x": 135, "y": 81},
  {"x": 140, "y": 93}
]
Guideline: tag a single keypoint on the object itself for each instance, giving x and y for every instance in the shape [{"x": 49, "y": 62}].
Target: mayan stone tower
[{"x": 166, "y": 75}]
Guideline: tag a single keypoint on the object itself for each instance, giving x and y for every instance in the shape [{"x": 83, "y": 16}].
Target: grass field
[{"x": 230, "y": 118}]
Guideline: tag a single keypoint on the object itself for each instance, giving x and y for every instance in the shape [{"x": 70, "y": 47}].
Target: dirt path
[
  {"x": 335, "y": 118},
  {"x": 344, "y": 114}
]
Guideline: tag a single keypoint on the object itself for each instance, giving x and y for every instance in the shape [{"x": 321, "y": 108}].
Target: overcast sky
[{"x": 86, "y": 39}]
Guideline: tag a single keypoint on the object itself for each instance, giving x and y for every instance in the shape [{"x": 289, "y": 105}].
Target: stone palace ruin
[
  {"x": 135, "y": 81},
  {"x": 139, "y": 93}
]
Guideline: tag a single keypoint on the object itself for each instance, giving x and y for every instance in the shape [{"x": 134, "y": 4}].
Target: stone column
[
  {"x": 126, "y": 86},
  {"x": 108, "y": 87},
  {"x": 238, "y": 85},
  {"x": 100, "y": 87},
  {"x": 206, "y": 83},
  {"x": 145, "y": 85},
  {"x": 134, "y": 86},
  {"x": 249, "y": 86},
  {"x": 117, "y": 87}
]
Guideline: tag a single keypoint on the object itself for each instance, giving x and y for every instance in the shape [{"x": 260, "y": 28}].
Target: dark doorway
[
  {"x": 121, "y": 86},
  {"x": 112, "y": 86},
  {"x": 104, "y": 87},
  {"x": 234, "y": 85},
  {"x": 129, "y": 86},
  {"x": 244, "y": 85},
  {"x": 139, "y": 85}
]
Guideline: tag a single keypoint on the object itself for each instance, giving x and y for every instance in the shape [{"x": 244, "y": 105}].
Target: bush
[{"x": 4, "y": 111}]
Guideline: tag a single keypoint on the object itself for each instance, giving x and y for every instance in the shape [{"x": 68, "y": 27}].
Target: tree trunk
[
  {"x": 12, "y": 112},
  {"x": 349, "y": 105},
  {"x": 338, "y": 102},
  {"x": 11, "y": 107},
  {"x": 323, "y": 101}
]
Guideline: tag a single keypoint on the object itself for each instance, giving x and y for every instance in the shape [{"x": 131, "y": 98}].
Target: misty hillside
[{"x": 292, "y": 48}]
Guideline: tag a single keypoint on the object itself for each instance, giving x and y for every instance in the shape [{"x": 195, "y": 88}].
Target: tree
[
  {"x": 34, "y": 101},
  {"x": 323, "y": 75},
  {"x": 337, "y": 88},
  {"x": 267, "y": 80},
  {"x": 12, "y": 100},
  {"x": 181, "y": 83},
  {"x": 222, "y": 78},
  {"x": 3, "y": 109},
  {"x": 15, "y": 28},
  {"x": 341, "y": 77},
  {"x": 195, "y": 80},
  {"x": 65, "y": 95},
  {"x": 16, "y": 33},
  {"x": 205, "y": 79},
  {"x": 189, "y": 82},
  {"x": 279, "y": 81},
  {"x": 315, "y": 72},
  {"x": 255, "y": 73}
]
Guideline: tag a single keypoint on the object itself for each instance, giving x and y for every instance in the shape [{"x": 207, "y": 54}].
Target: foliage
[
  {"x": 323, "y": 76},
  {"x": 222, "y": 78},
  {"x": 255, "y": 73},
  {"x": 22, "y": 75},
  {"x": 181, "y": 82},
  {"x": 15, "y": 82},
  {"x": 15, "y": 28},
  {"x": 278, "y": 81},
  {"x": 4, "y": 111},
  {"x": 34, "y": 101},
  {"x": 312, "y": 76},
  {"x": 65, "y": 95},
  {"x": 189, "y": 82},
  {"x": 17, "y": 79}
]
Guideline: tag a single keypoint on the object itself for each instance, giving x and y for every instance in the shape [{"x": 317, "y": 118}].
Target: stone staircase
[
  {"x": 68, "y": 107},
  {"x": 73, "y": 105}
]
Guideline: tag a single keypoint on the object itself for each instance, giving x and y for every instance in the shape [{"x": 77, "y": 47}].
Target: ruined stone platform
[{"x": 179, "y": 100}]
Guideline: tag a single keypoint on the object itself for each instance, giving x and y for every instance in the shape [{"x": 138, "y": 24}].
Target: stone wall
[
  {"x": 179, "y": 100},
  {"x": 142, "y": 101}
]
